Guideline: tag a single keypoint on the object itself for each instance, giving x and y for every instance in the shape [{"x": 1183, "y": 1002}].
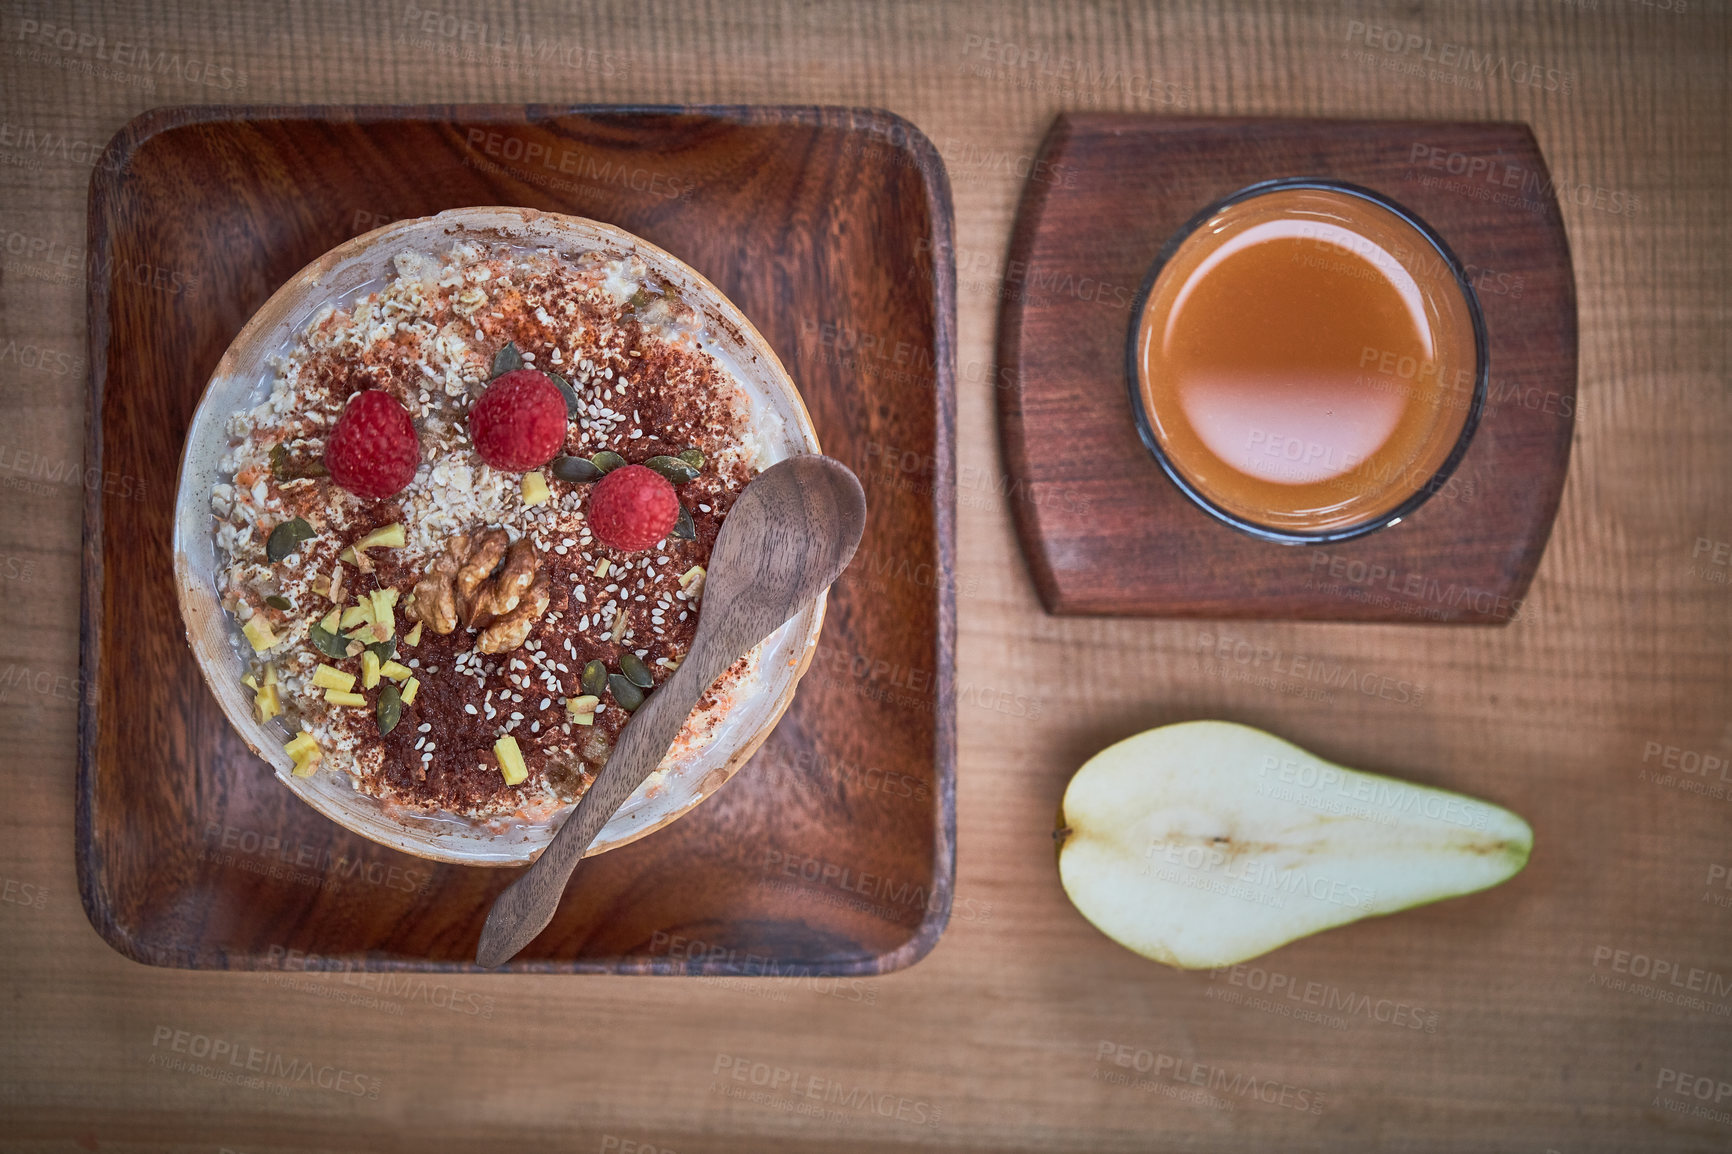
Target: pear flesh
[{"x": 1207, "y": 843}]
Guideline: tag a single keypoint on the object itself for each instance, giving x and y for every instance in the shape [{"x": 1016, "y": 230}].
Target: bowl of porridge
[{"x": 443, "y": 519}]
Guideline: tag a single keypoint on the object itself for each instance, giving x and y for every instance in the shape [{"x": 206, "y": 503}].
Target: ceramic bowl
[{"x": 243, "y": 378}]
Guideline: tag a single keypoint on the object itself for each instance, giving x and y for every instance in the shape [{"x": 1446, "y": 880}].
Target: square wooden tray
[
  {"x": 832, "y": 851},
  {"x": 1108, "y": 192}
]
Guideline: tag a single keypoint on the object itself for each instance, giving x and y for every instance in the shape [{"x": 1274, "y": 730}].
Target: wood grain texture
[
  {"x": 789, "y": 536},
  {"x": 1109, "y": 192},
  {"x": 190, "y": 852},
  {"x": 1625, "y": 641}
]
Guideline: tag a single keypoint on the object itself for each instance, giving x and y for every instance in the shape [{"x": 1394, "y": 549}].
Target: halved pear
[{"x": 1208, "y": 843}]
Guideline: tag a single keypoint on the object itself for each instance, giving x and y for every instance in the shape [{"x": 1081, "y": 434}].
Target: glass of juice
[{"x": 1307, "y": 361}]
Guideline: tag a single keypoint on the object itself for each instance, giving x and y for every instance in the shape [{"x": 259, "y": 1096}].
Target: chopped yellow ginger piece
[
  {"x": 337, "y": 697},
  {"x": 584, "y": 704},
  {"x": 414, "y": 635},
  {"x": 327, "y": 677},
  {"x": 410, "y": 688},
  {"x": 601, "y": 568},
  {"x": 332, "y": 621},
  {"x": 384, "y": 537},
  {"x": 266, "y": 700},
  {"x": 535, "y": 488},
  {"x": 250, "y": 682},
  {"x": 259, "y": 633},
  {"x": 358, "y": 614},
  {"x": 396, "y": 671},
  {"x": 511, "y": 766},
  {"x": 384, "y": 620},
  {"x": 369, "y": 669},
  {"x": 306, "y": 753},
  {"x": 583, "y": 719},
  {"x": 692, "y": 581}
]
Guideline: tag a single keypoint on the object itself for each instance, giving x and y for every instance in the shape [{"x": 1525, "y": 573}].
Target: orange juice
[{"x": 1307, "y": 362}]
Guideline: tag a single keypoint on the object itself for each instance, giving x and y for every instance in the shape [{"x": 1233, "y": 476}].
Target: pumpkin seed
[
  {"x": 607, "y": 460},
  {"x": 674, "y": 469},
  {"x": 327, "y": 642},
  {"x": 683, "y": 528},
  {"x": 574, "y": 470},
  {"x": 506, "y": 360},
  {"x": 572, "y": 405},
  {"x": 594, "y": 678},
  {"x": 384, "y": 650},
  {"x": 628, "y": 695},
  {"x": 278, "y": 601},
  {"x": 635, "y": 670},
  {"x": 288, "y": 537},
  {"x": 390, "y": 709},
  {"x": 693, "y": 457}
]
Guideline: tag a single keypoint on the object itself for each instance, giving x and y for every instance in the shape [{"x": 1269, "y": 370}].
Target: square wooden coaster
[{"x": 1106, "y": 532}]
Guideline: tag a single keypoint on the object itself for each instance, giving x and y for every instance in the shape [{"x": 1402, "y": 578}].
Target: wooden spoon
[{"x": 790, "y": 534}]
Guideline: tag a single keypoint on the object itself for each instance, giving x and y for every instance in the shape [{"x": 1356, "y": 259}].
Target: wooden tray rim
[{"x": 897, "y": 133}]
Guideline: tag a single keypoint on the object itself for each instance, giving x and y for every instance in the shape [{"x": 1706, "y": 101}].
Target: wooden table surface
[{"x": 1587, "y": 1005}]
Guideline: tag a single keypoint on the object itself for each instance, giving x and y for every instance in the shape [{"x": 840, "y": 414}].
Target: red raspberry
[
  {"x": 519, "y": 422},
  {"x": 632, "y": 508},
  {"x": 373, "y": 450}
]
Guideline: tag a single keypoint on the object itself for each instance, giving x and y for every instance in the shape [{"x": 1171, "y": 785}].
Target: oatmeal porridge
[{"x": 466, "y": 532}]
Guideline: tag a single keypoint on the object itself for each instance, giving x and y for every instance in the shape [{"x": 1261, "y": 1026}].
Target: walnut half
[
  {"x": 435, "y": 599},
  {"x": 462, "y": 586},
  {"x": 511, "y": 629}
]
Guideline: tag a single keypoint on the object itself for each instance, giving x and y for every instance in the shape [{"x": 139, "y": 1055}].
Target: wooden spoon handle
[{"x": 525, "y": 908}]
